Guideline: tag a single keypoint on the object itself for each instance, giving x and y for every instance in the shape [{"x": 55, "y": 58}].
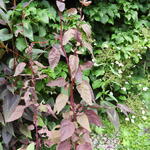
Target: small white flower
[
  {"x": 111, "y": 93},
  {"x": 117, "y": 62},
  {"x": 132, "y": 120},
  {"x": 139, "y": 55},
  {"x": 129, "y": 76},
  {"x": 145, "y": 88},
  {"x": 119, "y": 71},
  {"x": 126, "y": 82},
  {"x": 133, "y": 117},
  {"x": 120, "y": 64},
  {"x": 127, "y": 119},
  {"x": 143, "y": 112},
  {"x": 140, "y": 85},
  {"x": 144, "y": 117},
  {"x": 124, "y": 89}
]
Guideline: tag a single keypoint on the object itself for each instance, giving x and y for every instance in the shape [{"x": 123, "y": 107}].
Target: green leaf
[
  {"x": 5, "y": 35},
  {"x": 36, "y": 52},
  {"x": 43, "y": 16},
  {"x": 24, "y": 130},
  {"x": 40, "y": 122},
  {"x": 31, "y": 146},
  {"x": 21, "y": 44},
  {"x": 27, "y": 30}
]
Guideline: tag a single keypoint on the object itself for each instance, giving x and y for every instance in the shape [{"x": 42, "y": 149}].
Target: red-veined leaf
[
  {"x": 67, "y": 129},
  {"x": 60, "y": 82},
  {"x": 86, "y": 92},
  {"x": 61, "y": 6},
  {"x": 53, "y": 57},
  {"x": 65, "y": 145},
  {"x": 61, "y": 102},
  {"x": 85, "y": 146},
  {"x": 83, "y": 121},
  {"x": 74, "y": 64},
  {"x": 93, "y": 117},
  {"x": 19, "y": 69}
]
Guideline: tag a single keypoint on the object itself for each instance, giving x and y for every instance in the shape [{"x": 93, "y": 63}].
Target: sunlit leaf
[
  {"x": 61, "y": 102},
  {"x": 74, "y": 64},
  {"x": 5, "y": 35},
  {"x": 87, "y": 29},
  {"x": 83, "y": 121},
  {"x": 86, "y": 92}
]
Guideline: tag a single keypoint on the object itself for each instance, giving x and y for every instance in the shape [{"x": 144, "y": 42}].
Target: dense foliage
[{"x": 53, "y": 53}]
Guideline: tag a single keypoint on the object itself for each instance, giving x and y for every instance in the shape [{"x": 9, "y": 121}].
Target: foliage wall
[{"x": 107, "y": 46}]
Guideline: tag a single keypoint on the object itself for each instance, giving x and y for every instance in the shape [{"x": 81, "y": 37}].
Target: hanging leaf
[
  {"x": 85, "y": 2},
  {"x": 113, "y": 117},
  {"x": 86, "y": 92},
  {"x": 85, "y": 146},
  {"x": 65, "y": 145},
  {"x": 124, "y": 108},
  {"x": 1, "y": 118},
  {"x": 68, "y": 35},
  {"x": 73, "y": 64},
  {"x": 18, "y": 112},
  {"x": 83, "y": 121},
  {"x": 67, "y": 129},
  {"x": 60, "y": 82},
  {"x": 93, "y": 117},
  {"x": 25, "y": 131},
  {"x": 58, "y": 47},
  {"x": 61, "y": 102},
  {"x": 87, "y": 29},
  {"x": 9, "y": 105},
  {"x": 19, "y": 69},
  {"x": 87, "y": 65},
  {"x": 53, "y": 57},
  {"x": 61, "y": 6}
]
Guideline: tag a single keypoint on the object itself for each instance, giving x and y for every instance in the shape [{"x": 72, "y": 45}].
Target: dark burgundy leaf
[
  {"x": 60, "y": 5},
  {"x": 60, "y": 82},
  {"x": 113, "y": 117},
  {"x": 7, "y": 133},
  {"x": 2, "y": 81},
  {"x": 53, "y": 57},
  {"x": 124, "y": 108},
  {"x": 67, "y": 129},
  {"x": 93, "y": 117},
  {"x": 9, "y": 105},
  {"x": 65, "y": 145},
  {"x": 87, "y": 65},
  {"x": 85, "y": 146}
]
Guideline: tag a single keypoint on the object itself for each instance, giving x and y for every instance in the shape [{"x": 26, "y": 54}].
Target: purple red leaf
[{"x": 67, "y": 129}]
